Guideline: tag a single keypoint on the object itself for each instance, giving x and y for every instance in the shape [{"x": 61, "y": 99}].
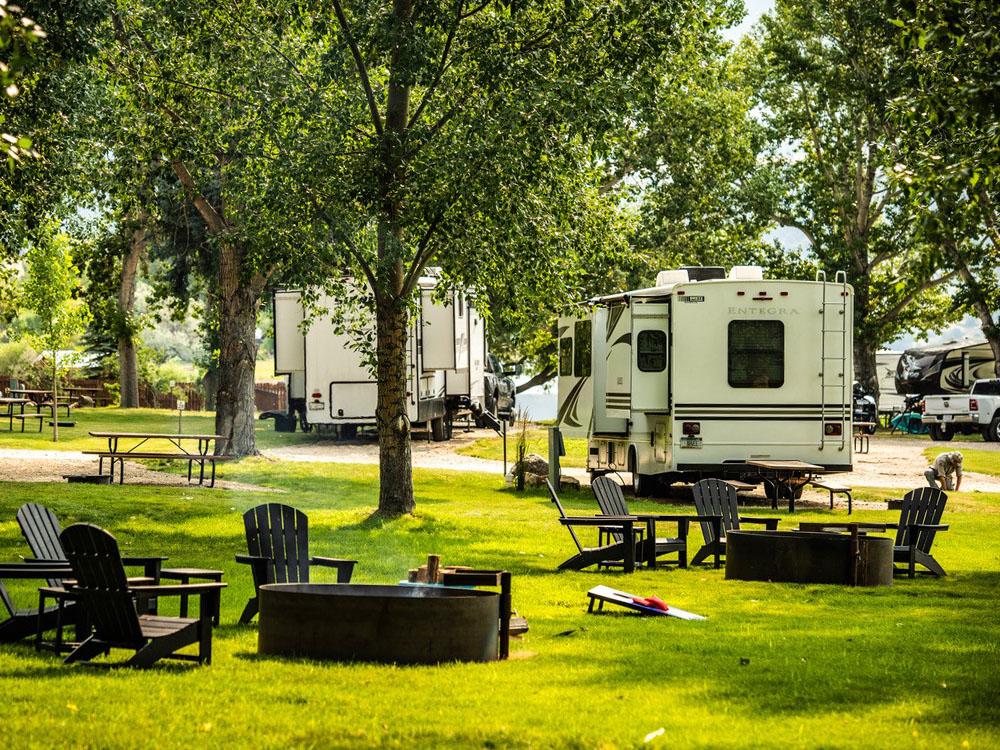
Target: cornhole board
[{"x": 602, "y": 594}]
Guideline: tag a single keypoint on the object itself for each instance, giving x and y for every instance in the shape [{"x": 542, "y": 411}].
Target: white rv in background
[
  {"x": 331, "y": 387},
  {"x": 703, "y": 372}
]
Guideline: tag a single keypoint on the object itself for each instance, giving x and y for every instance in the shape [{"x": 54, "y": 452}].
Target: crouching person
[{"x": 945, "y": 466}]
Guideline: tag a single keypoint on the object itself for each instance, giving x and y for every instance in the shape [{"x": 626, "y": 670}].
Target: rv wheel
[
  {"x": 438, "y": 430},
  {"x": 941, "y": 433}
]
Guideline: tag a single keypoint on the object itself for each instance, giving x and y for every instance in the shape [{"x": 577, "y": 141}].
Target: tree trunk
[
  {"x": 55, "y": 397},
  {"x": 980, "y": 304},
  {"x": 865, "y": 368},
  {"x": 395, "y": 471},
  {"x": 235, "y": 409},
  {"x": 128, "y": 363}
]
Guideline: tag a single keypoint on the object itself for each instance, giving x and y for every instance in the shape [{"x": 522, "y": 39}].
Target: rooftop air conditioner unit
[
  {"x": 668, "y": 278},
  {"x": 746, "y": 273}
]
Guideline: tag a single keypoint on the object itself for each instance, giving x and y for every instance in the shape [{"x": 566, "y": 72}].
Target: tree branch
[
  {"x": 442, "y": 66},
  {"x": 912, "y": 295},
  {"x": 359, "y": 63},
  {"x": 211, "y": 217}
]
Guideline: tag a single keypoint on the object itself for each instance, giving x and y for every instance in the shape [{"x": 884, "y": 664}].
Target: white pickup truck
[{"x": 979, "y": 411}]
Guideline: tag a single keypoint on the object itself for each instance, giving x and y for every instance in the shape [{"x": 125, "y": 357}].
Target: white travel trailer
[
  {"x": 702, "y": 373},
  {"x": 331, "y": 386}
]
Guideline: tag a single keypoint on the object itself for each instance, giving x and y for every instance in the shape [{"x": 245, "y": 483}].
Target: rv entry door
[{"x": 651, "y": 357}]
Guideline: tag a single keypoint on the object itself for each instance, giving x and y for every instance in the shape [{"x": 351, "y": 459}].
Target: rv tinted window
[
  {"x": 651, "y": 351},
  {"x": 566, "y": 355},
  {"x": 756, "y": 353},
  {"x": 581, "y": 353}
]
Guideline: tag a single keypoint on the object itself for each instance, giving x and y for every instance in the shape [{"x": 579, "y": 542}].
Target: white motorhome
[
  {"x": 703, "y": 372},
  {"x": 332, "y": 387}
]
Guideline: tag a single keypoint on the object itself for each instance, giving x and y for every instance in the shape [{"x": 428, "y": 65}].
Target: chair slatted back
[
  {"x": 279, "y": 533},
  {"x": 923, "y": 505},
  {"x": 100, "y": 578},
  {"x": 562, "y": 514},
  {"x": 610, "y": 499},
  {"x": 713, "y": 497},
  {"x": 40, "y": 529}
]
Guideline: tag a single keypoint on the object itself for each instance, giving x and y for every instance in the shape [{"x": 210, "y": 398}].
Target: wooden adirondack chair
[
  {"x": 714, "y": 497},
  {"x": 612, "y": 551},
  {"x": 110, "y": 604},
  {"x": 611, "y": 501},
  {"x": 919, "y": 522},
  {"x": 40, "y": 529},
  {"x": 278, "y": 547}
]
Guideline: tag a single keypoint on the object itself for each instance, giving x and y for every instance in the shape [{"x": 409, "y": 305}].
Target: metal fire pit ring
[
  {"x": 808, "y": 557},
  {"x": 393, "y": 624}
]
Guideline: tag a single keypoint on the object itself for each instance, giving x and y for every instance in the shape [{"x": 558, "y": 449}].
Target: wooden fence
[{"x": 267, "y": 396}]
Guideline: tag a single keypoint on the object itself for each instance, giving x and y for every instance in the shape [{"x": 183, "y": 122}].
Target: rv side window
[
  {"x": 566, "y": 355},
  {"x": 756, "y": 353},
  {"x": 581, "y": 354},
  {"x": 651, "y": 351}
]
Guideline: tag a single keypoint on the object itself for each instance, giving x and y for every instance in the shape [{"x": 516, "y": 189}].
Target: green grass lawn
[
  {"x": 973, "y": 459},
  {"x": 113, "y": 419},
  {"x": 914, "y": 665}
]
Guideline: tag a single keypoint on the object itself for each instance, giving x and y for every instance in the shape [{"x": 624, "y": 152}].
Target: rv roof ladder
[{"x": 830, "y": 311}]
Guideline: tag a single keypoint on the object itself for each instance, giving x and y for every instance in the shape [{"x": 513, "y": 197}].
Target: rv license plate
[
  {"x": 316, "y": 405},
  {"x": 690, "y": 441}
]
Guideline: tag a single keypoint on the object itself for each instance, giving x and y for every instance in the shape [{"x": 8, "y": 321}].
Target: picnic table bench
[
  {"x": 201, "y": 456},
  {"x": 784, "y": 474},
  {"x": 862, "y": 436},
  {"x": 836, "y": 489}
]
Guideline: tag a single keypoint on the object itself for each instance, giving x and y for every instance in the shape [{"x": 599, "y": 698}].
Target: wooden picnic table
[
  {"x": 10, "y": 403},
  {"x": 782, "y": 473},
  {"x": 201, "y": 455}
]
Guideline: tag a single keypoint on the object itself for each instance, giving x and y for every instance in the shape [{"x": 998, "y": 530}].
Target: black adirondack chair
[
  {"x": 611, "y": 501},
  {"x": 714, "y": 497},
  {"x": 110, "y": 603},
  {"x": 919, "y": 522},
  {"x": 40, "y": 529},
  {"x": 278, "y": 547},
  {"x": 609, "y": 551}
]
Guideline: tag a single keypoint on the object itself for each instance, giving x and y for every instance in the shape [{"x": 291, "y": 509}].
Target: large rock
[
  {"x": 534, "y": 465},
  {"x": 569, "y": 483}
]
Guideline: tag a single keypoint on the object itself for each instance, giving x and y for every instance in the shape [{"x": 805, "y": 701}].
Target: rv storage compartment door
[
  {"x": 611, "y": 336},
  {"x": 437, "y": 335},
  {"x": 650, "y": 357},
  {"x": 353, "y": 400},
  {"x": 289, "y": 341}
]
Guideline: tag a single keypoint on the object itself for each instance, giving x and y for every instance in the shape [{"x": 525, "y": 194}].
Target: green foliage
[
  {"x": 18, "y": 34},
  {"x": 827, "y": 74},
  {"x": 17, "y": 360},
  {"x": 50, "y": 286}
]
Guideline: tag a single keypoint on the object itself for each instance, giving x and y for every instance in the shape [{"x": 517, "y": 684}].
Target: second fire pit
[{"x": 809, "y": 557}]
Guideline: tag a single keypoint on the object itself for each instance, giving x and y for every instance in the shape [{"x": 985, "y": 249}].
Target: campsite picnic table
[
  {"x": 136, "y": 441},
  {"x": 11, "y": 403},
  {"x": 861, "y": 436},
  {"x": 782, "y": 473}
]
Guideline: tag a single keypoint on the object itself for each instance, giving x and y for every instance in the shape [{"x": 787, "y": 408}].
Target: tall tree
[
  {"x": 50, "y": 288},
  {"x": 827, "y": 77},
  {"x": 950, "y": 159}
]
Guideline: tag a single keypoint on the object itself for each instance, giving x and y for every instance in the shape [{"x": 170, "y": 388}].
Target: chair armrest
[
  {"x": 928, "y": 526},
  {"x": 42, "y": 561},
  {"x": 345, "y": 568},
  {"x": 130, "y": 561},
  {"x": 180, "y": 589},
  {"x": 769, "y": 523},
  {"x": 252, "y": 559}
]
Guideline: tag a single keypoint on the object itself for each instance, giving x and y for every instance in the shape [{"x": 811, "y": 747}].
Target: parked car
[
  {"x": 977, "y": 411},
  {"x": 500, "y": 392}
]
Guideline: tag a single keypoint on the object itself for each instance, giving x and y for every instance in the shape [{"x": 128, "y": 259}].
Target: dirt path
[
  {"x": 892, "y": 463},
  {"x": 49, "y": 466}
]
